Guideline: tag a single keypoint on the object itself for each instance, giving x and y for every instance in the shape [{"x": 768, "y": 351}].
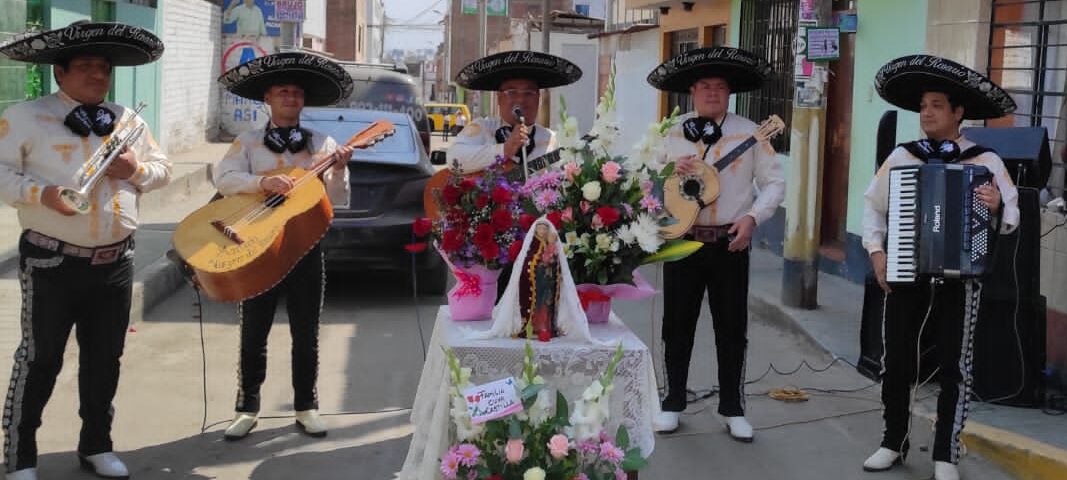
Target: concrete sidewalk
[
  {"x": 1027, "y": 443},
  {"x": 155, "y": 278}
]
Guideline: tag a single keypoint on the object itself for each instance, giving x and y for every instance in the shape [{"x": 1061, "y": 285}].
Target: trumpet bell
[{"x": 75, "y": 200}]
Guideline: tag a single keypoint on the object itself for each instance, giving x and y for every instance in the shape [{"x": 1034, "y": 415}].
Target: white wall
[
  {"x": 189, "y": 94},
  {"x": 581, "y": 96},
  {"x": 315, "y": 18},
  {"x": 375, "y": 18},
  {"x": 638, "y": 102}
]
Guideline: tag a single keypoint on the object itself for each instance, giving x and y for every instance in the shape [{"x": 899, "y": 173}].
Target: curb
[{"x": 1022, "y": 457}]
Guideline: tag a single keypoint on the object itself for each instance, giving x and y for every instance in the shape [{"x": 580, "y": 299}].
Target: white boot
[
  {"x": 882, "y": 460},
  {"x": 666, "y": 422},
  {"x": 311, "y": 423},
  {"x": 739, "y": 429},
  {"x": 105, "y": 465},
  {"x": 242, "y": 423},
  {"x": 24, "y": 474},
  {"x": 945, "y": 471}
]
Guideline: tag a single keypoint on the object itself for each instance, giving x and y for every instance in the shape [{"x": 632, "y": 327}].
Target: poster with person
[{"x": 253, "y": 18}]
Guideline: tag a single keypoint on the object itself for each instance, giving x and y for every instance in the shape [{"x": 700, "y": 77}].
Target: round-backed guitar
[{"x": 684, "y": 196}]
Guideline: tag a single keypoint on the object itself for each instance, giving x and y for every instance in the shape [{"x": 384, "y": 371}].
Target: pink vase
[
  {"x": 595, "y": 301},
  {"x": 473, "y": 296}
]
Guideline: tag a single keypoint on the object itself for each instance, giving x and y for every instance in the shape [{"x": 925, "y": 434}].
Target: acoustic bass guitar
[{"x": 242, "y": 245}]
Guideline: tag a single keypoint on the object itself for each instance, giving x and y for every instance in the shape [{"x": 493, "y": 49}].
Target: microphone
[{"x": 517, "y": 111}]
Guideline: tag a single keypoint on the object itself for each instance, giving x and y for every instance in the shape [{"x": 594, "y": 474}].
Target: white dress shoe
[
  {"x": 242, "y": 423},
  {"x": 311, "y": 423},
  {"x": 739, "y": 429},
  {"x": 945, "y": 471},
  {"x": 666, "y": 422},
  {"x": 883, "y": 459},
  {"x": 24, "y": 474},
  {"x": 105, "y": 465}
]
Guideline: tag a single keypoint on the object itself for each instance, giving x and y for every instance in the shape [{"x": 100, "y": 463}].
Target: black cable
[
  {"x": 1064, "y": 222},
  {"x": 334, "y": 414},
  {"x": 415, "y": 300},
  {"x": 694, "y": 396},
  {"x": 203, "y": 355}
]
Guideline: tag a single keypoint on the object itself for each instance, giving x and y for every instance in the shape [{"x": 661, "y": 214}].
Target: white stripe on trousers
[
  {"x": 970, "y": 318},
  {"x": 25, "y": 354}
]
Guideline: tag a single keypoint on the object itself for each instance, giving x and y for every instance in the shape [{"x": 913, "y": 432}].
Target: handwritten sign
[{"x": 492, "y": 400}]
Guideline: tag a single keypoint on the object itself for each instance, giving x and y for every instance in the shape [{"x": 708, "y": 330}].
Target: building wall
[
  {"x": 189, "y": 114},
  {"x": 635, "y": 55},
  {"x": 315, "y": 18},
  {"x": 346, "y": 29}
]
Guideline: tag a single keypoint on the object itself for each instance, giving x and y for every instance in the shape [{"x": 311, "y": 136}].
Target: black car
[
  {"x": 387, "y": 88},
  {"x": 387, "y": 182}
]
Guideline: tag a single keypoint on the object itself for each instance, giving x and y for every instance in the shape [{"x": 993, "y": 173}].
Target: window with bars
[
  {"x": 1028, "y": 58},
  {"x": 768, "y": 28},
  {"x": 682, "y": 41}
]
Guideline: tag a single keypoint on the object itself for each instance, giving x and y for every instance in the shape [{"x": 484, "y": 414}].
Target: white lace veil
[{"x": 507, "y": 315}]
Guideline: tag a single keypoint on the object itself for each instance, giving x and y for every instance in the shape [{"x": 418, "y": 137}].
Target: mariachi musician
[
  {"x": 720, "y": 266},
  {"x": 286, "y": 82},
  {"x": 75, "y": 270},
  {"x": 944, "y": 93}
]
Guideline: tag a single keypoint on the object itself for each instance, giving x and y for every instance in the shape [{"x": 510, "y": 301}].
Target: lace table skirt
[{"x": 567, "y": 365}]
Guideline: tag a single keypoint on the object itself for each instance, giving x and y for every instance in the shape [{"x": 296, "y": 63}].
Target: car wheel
[{"x": 433, "y": 281}]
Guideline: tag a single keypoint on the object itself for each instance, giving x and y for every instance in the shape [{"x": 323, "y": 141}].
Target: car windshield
[{"x": 385, "y": 94}]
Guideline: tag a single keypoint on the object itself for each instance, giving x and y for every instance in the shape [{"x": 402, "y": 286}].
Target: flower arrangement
[
  {"x": 608, "y": 208},
  {"x": 479, "y": 217},
  {"x": 537, "y": 444}
]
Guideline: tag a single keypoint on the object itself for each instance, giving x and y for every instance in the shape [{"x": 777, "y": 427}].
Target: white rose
[
  {"x": 534, "y": 473},
  {"x": 591, "y": 191}
]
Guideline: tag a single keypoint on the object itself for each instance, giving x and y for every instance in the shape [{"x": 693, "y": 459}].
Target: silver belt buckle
[{"x": 103, "y": 256}]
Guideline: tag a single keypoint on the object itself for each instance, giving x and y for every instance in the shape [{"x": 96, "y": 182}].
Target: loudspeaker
[
  {"x": 1017, "y": 256},
  {"x": 886, "y": 140},
  {"x": 1009, "y": 352},
  {"x": 1024, "y": 150}
]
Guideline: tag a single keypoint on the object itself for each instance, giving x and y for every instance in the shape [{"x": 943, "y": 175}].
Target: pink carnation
[
  {"x": 558, "y": 446},
  {"x": 449, "y": 465},
  {"x": 611, "y": 453},
  {"x": 467, "y": 454},
  {"x": 650, "y": 203},
  {"x": 570, "y": 169},
  {"x": 610, "y": 171}
]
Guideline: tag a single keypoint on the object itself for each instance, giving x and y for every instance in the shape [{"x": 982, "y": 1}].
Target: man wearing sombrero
[
  {"x": 286, "y": 82},
  {"x": 517, "y": 77},
  {"x": 74, "y": 270},
  {"x": 944, "y": 93},
  {"x": 725, "y": 227}
]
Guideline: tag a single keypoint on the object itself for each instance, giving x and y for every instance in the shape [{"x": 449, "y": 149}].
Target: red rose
[
  {"x": 467, "y": 185},
  {"x": 450, "y": 194},
  {"x": 422, "y": 226},
  {"x": 501, "y": 195},
  {"x": 483, "y": 236},
  {"x": 482, "y": 201},
  {"x": 452, "y": 241},
  {"x": 525, "y": 220},
  {"x": 556, "y": 217},
  {"x": 608, "y": 215},
  {"x": 502, "y": 220},
  {"x": 514, "y": 249},
  {"x": 415, "y": 247},
  {"x": 490, "y": 251}
]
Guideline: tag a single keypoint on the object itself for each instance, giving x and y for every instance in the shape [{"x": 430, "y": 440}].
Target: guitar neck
[
  {"x": 535, "y": 165},
  {"x": 735, "y": 153}
]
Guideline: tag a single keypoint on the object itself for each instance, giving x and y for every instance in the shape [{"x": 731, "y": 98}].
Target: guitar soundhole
[{"x": 692, "y": 188}]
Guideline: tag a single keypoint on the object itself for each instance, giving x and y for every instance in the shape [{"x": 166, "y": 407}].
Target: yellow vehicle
[{"x": 443, "y": 116}]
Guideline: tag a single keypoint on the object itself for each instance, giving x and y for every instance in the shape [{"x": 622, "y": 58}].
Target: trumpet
[{"x": 96, "y": 168}]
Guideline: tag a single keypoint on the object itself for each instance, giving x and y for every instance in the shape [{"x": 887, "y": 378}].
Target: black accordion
[{"x": 937, "y": 226}]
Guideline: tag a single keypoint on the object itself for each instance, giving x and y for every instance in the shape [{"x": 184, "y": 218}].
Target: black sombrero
[
  {"x": 324, "y": 81},
  {"x": 903, "y": 81},
  {"x": 545, "y": 69},
  {"x": 743, "y": 70},
  {"x": 121, "y": 44}
]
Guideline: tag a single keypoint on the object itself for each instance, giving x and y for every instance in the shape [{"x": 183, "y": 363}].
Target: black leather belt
[
  {"x": 101, "y": 255},
  {"x": 709, "y": 233}
]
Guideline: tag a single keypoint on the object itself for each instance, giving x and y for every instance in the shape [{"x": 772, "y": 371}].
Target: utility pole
[
  {"x": 546, "y": 26},
  {"x": 482, "y": 51},
  {"x": 803, "y": 203}
]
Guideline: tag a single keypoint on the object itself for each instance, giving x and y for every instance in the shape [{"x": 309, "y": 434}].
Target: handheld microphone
[{"x": 517, "y": 111}]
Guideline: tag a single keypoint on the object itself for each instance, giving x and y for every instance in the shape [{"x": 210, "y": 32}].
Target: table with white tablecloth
[{"x": 567, "y": 365}]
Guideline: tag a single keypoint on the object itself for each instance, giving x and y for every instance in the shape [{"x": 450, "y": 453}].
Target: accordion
[{"x": 937, "y": 226}]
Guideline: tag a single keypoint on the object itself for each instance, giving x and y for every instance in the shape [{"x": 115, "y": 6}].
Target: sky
[{"x": 405, "y": 11}]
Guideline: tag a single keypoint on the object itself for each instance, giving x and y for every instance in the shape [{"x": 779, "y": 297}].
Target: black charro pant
[
  {"x": 303, "y": 289},
  {"x": 60, "y": 292},
  {"x": 723, "y": 275},
  {"x": 950, "y": 311}
]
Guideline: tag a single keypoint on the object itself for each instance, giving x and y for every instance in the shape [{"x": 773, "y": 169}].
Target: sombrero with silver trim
[
  {"x": 121, "y": 44},
  {"x": 743, "y": 70},
  {"x": 323, "y": 80},
  {"x": 903, "y": 82},
  {"x": 545, "y": 69}
]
